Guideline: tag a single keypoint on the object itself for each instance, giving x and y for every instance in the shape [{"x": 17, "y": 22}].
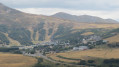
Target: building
[
  {"x": 83, "y": 47},
  {"x": 76, "y": 48},
  {"x": 95, "y": 38},
  {"x": 80, "y": 48},
  {"x": 26, "y": 47},
  {"x": 84, "y": 41},
  {"x": 92, "y": 39}
]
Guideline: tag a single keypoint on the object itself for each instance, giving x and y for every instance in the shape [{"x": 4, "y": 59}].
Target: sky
[{"x": 101, "y": 8}]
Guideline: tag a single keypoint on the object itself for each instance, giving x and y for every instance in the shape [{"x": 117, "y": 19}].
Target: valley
[
  {"x": 59, "y": 40},
  {"x": 33, "y": 29}
]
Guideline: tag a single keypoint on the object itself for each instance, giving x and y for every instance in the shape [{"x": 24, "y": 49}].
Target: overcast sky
[{"x": 100, "y": 8}]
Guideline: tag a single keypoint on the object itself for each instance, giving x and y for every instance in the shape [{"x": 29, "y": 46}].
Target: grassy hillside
[
  {"x": 43, "y": 32},
  {"x": 93, "y": 25},
  {"x": 26, "y": 29},
  {"x": 12, "y": 42},
  {"x": 87, "y": 55},
  {"x": 113, "y": 39},
  {"x": 112, "y": 36},
  {"x": 15, "y": 60},
  {"x": 46, "y": 63},
  {"x": 87, "y": 33}
]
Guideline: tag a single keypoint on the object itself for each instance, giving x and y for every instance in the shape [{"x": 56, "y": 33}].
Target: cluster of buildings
[
  {"x": 89, "y": 40},
  {"x": 50, "y": 43},
  {"x": 27, "y": 47},
  {"x": 80, "y": 48},
  {"x": 55, "y": 43},
  {"x": 92, "y": 39}
]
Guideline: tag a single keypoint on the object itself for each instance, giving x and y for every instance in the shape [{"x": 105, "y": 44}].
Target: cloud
[
  {"x": 69, "y": 4},
  {"x": 51, "y": 11},
  {"x": 100, "y": 8}
]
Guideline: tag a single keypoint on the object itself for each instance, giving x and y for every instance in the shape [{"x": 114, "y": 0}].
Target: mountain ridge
[
  {"x": 24, "y": 27},
  {"x": 28, "y": 29},
  {"x": 83, "y": 18}
]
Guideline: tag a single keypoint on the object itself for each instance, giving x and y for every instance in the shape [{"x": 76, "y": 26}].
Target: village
[
  {"x": 57, "y": 46},
  {"x": 88, "y": 42},
  {"x": 53, "y": 47}
]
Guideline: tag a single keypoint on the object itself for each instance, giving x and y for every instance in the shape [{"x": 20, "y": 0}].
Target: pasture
[
  {"x": 102, "y": 53},
  {"x": 16, "y": 60},
  {"x": 113, "y": 39}
]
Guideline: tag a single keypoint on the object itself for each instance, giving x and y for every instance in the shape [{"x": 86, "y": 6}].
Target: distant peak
[
  {"x": 84, "y": 15},
  {"x": 61, "y": 13},
  {"x": 1, "y": 4},
  {"x": 83, "y": 18}
]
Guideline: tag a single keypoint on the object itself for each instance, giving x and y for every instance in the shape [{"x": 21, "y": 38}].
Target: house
[
  {"x": 84, "y": 41},
  {"x": 105, "y": 41},
  {"x": 80, "y": 48},
  {"x": 92, "y": 39},
  {"x": 26, "y": 47},
  {"x": 83, "y": 47},
  {"x": 76, "y": 48},
  {"x": 95, "y": 38}
]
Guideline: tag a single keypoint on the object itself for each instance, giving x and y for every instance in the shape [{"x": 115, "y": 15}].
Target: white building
[
  {"x": 26, "y": 47},
  {"x": 76, "y": 48},
  {"x": 80, "y": 48},
  {"x": 84, "y": 41}
]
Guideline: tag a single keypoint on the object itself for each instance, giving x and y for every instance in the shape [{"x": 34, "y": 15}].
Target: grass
[
  {"x": 16, "y": 60},
  {"x": 93, "y": 25},
  {"x": 12, "y": 42},
  {"x": 87, "y": 33},
  {"x": 54, "y": 57},
  {"x": 45, "y": 63},
  {"x": 88, "y": 54},
  {"x": 113, "y": 39},
  {"x": 67, "y": 58}
]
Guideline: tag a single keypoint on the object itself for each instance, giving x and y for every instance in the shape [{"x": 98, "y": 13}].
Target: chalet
[
  {"x": 84, "y": 41},
  {"x": 76, "y": 48},
  {"x": 80, "y": 48},
  {"x": 95, "y": 38},
  {"x": 92, "y": 39},
  {"x": 26, "y": 47}
]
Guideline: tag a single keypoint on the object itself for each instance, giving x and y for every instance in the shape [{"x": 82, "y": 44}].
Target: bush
[
  {"x": 8, "y": 49},
  {"x": 67, "y": 58},
  {"x": 91, "y": 64},
  {"x": 57, "y": 63},
  {"x": 40, "y": 60},
  {"x": 91, "y": 61},
  {"x": 17, "y": 52},
  {"x": 110, "y": 63},
  {"x": 82, "y": 62}
]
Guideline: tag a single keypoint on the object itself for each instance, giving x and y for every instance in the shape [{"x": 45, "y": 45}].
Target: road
[{"x": 38, "y": 54}]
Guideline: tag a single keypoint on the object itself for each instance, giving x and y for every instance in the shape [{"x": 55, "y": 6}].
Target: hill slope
[
  {"x": 83, "y": 18},
  {"x": 24, "y": 27},
  {"x": 16, "y": 60},
  {"x": 28, "y": 28}
]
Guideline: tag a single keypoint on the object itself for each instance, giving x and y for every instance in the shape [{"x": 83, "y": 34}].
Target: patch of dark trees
[
  {"x": 11, "y": 50},
  {"x": 114, "y": 45},
  {"x": 110, "y": 63}
]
